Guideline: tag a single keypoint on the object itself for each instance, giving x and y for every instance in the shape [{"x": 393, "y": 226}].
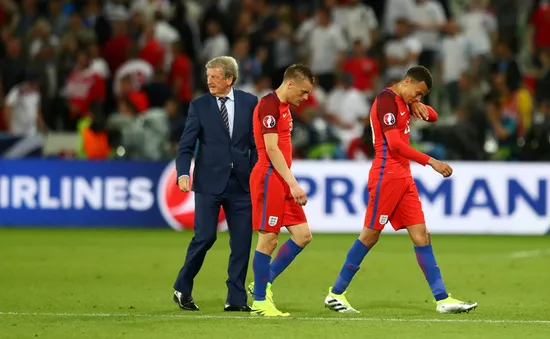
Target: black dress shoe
[
  {"x": 185, "y": 302},
  {"x": 235, "y": 308}
]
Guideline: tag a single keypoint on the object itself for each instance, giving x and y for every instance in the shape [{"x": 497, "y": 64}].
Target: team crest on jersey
[
  {"x": 383, "y": 219},
  {"x": 389, "y": 119},
  {"x": 269, "y": 121},
  {"x": 272, "y": 221},
  {"x": 291, "y": 125}
]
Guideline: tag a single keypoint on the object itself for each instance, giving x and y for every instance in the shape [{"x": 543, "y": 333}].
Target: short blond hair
[{"x": 228, "y": 65}]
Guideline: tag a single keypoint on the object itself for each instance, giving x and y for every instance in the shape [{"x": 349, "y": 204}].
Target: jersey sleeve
[
  {"x": 405, "y": 150},
  {"x": 433, "y": 116},
  {"x": 386, "y": 110},
  {"x": 268, "y": 113}
]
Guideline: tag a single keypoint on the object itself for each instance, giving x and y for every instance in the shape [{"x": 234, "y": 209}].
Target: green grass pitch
[{"x": 118, "y": 284}]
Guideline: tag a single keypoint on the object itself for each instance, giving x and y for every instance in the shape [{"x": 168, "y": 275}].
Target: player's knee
[
  {"x": 422, "y": 239},
  {"x": 271, "y": 245},
  {"x": 267, "y": 243},
  {"x": 369, "y": 237},
  {"x": 304, "y": 239}
]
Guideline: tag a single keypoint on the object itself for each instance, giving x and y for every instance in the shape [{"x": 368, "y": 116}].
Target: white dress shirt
[{"x": 230, "y": 105}]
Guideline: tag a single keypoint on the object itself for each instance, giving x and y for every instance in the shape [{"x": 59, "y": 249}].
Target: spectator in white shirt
[
  {"x": 427, "y": 19},
  {"x": 149, "y": 7},
  {"x": 455, "y": 60},
  {"x": 347, "y": 109},
  {"x": 327, "y": 47},
  {"x": 98, "y": 65},
  {"x": 41, "y": 35},
  {"x": 360, "y": 23},
  {"x": 394, "y": 10},
  {"x": 216, "y": 44},
  {"x": 401, "y": 52},
  {"x": 260, "y": 87},
  {"x": 480, "y": 27},
  {"x": 303, "y": 34},
  {"x": 22, "y": 107},
  {"x": 166, "y": 35}
]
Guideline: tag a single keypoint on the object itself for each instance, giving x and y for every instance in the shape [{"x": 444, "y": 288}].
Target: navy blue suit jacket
[{"x": 218, "y": 153}]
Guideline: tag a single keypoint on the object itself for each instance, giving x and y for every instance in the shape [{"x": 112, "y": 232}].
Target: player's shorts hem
[
  {"x": 296, "y": 224},
  {"x": 266, "y": 230}
]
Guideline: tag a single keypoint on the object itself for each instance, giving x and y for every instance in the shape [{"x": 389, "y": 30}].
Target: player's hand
[
  {"x": 299, "y": 195},
  {"x": 419, "y": 111},
  {"x": 183, "y": 184},
  {"x": 440, "y": 167}
]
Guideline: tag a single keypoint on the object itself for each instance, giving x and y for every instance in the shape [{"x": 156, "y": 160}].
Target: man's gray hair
[{"x": 228, "y": 65}]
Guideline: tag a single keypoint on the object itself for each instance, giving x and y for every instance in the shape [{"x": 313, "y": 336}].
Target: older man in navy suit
[{"x": 221, "y": 122}]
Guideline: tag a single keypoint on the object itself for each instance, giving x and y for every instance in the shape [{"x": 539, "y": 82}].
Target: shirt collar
[{"x": 230, "y": 96}]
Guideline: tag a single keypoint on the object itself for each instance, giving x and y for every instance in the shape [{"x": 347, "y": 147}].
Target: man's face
[
  {"x": 298, "y": 91},
  {"x": 413, "y": 91},
  {"x": 32, "y": 85},
  {"x": 359, "y": 49},
  {"x": 401, "y": 29},
  {"x": 217, "y": 84},
  {"x": 82, "y": 61},
  {"x": 126, "y": 86},
  {"x": 322, "y": 18}
]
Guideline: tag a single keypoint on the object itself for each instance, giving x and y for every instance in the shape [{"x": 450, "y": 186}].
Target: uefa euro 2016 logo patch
[
  {"x": 389, "y": 119},
  {"x": 269, "y": 121}
]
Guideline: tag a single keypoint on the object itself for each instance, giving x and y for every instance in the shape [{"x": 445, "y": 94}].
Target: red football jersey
[
  {"x": 83, "y": 88},
  {"x": 272, "y": 116},
  {"x": 388, "y": 112},
  {"x": 364, "y": 70}
]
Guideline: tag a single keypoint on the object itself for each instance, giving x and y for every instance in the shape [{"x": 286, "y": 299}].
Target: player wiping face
[
  {"x": 393, "y": 196},
  {"x": 412, "y": 92}
]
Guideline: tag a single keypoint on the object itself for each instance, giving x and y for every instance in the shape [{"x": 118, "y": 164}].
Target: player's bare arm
[
  {"x": 441, "y": 167},
  {"x": 276, "y": 157}
]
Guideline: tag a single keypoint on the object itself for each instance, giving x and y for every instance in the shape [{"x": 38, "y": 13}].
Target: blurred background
[{"x": 109, "y": 83}]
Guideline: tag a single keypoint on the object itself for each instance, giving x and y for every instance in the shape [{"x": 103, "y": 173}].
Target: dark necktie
[{"x": 223, "y": 110}]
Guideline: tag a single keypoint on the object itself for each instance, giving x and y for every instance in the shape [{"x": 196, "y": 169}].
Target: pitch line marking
[
  {"x": 530, "y": 254},
  {"x": 189, "y": 316}
]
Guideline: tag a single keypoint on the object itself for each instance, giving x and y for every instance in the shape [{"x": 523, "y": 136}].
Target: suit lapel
[{"x": 217, "y": 118}]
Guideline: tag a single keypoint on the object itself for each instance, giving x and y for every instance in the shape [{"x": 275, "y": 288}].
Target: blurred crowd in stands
[{"x": 121, "y": 73}]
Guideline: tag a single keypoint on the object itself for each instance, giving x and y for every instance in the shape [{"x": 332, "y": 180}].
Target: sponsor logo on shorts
[
  {"x": 383, "y": 219},
  {"x": 269, "y": 121},
  {"x": 272, "y": 221}
]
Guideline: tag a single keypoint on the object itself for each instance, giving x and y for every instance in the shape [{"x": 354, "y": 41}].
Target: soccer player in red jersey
[
  {"x": 393, "y": 196},
  {"x": 277, "y": 199}
]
